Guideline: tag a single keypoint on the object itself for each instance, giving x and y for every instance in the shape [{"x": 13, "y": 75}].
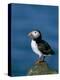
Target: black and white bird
[{"x": 39, "y": 46}]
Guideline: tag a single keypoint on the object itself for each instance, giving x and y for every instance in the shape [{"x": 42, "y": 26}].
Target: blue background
[{"x": 25, "y": 18}]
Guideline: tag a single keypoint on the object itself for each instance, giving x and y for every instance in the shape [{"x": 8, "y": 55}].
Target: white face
[{"x": 34, "y": 34}]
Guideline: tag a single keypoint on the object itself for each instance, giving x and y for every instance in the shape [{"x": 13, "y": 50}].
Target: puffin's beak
[{"x": 29, "y": 34}]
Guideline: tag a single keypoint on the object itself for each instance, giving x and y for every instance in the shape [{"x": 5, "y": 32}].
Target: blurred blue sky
[{"x": 25, "y": 18}]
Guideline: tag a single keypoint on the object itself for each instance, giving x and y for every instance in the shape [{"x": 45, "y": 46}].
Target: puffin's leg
[{"x": 40, "y": 60}]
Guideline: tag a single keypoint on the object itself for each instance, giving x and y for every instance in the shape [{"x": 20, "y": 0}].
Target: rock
[{"x": 40, "y": 68}]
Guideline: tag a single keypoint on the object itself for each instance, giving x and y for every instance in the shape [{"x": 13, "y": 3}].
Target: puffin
[{"x": 40, "y": 46}]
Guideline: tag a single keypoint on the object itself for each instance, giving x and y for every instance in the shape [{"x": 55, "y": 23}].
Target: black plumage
[{"x": 45, "y": 48}]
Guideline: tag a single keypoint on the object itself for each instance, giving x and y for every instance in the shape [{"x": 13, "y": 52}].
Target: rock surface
[{"x": 41, "y": 68}]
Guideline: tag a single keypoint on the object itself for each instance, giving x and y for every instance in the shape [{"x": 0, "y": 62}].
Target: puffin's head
[{"x": 35, "y": 34}]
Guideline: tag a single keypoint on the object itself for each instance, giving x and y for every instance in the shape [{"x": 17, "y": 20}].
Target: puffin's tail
[{"x": 52, "y": 52}]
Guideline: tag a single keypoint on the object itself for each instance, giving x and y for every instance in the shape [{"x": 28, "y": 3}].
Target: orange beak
[{"x": 29, "y": 34}]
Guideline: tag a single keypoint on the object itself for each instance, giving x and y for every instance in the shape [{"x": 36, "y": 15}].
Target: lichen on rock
[{"x": 40, "y": 68}]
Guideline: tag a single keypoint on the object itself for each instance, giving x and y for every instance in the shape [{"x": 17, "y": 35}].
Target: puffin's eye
[{"x": 35, "y": 32}]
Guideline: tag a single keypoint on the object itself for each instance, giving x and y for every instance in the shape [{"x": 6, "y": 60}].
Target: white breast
[{"x": 35, "y": 48}]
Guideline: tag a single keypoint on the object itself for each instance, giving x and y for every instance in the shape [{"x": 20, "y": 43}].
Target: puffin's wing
[{"x": 45, "y": 48}]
